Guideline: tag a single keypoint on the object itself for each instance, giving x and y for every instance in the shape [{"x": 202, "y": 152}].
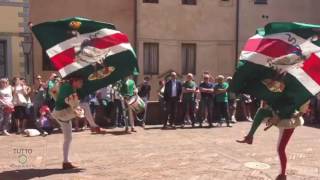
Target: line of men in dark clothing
[{"x": 213, "y": 105}]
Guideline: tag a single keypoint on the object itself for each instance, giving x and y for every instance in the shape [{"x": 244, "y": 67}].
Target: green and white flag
[
  {"x": 94, "y": 50},
  {"x": 281, "y": 64}
]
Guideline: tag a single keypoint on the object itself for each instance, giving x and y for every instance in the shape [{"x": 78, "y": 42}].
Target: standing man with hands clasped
[
  {"x": 222, "y": 107},
  {"x": 206, "y": 103},
  {"x": 188, "y": 99},
  {"x": 172, "y": 93}
]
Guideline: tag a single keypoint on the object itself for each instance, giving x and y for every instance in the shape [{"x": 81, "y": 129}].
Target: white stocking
[{"x": 67, "y": 138}]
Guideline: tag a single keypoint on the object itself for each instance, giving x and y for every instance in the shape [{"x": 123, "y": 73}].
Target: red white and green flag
[
  {"x": 281, "y": 64},
  {"x": 94, "y": 50}
]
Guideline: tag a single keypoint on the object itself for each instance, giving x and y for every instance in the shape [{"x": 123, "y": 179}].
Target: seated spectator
[{"x": 45, "y": 125}]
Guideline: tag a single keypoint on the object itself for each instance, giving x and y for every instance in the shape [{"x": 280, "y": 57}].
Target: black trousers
[
  {"x": 119, "y": 112},
  {"x": 188, "y": 107},
  {"x": 172, "y": 110},
  {"x": 222, "y": 110}
]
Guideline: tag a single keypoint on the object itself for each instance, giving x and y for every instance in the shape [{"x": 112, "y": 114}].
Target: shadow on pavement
[
  {"x": 181, "y": 128},
  {"x": 24, "y": 174},
  {"x": 313, "y": 125},
  {"x": 152, "y": 127},
  {"x": 160, "y": 128},
  {"x": 119, "y": 133}
]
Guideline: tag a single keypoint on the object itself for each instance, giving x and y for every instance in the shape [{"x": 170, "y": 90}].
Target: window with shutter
[
  {"x": 151, "y": 58},
  {"x": 188, "y": 55}
]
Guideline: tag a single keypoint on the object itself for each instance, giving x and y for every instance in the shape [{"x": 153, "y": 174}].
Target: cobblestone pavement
[{"x": 187, "y": 154}]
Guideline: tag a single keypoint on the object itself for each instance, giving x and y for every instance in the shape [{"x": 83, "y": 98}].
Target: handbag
[
  {"x": 20, "y": 99},
  {"x": 8, "y": 109}
]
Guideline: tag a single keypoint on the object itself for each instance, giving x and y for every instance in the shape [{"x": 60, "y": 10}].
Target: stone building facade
[
  {"x": 13, "y": 32},
  {"x": 172, "y": 35}
]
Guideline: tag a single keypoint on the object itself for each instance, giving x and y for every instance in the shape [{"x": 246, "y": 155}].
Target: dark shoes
[
  {"x": 247, "y": 139},
  {"x": 166, "y": 126},
  {"x": 281, "y": 177},
  {"x": 68, "y": 165},
  {"x": 97, "y": 130}
]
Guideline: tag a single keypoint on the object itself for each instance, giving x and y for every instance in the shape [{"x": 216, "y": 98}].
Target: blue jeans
[
  {"x": 188, "y": 107},
  {"x": 222, "y": 109},
  {"x": 5, "y": 120},
  {"x": 206, "y": 103}
]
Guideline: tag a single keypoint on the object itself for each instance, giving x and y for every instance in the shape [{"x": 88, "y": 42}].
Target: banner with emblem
[
  {"x": 94, "y": 50},
  {"x": 281, "y": 65}
]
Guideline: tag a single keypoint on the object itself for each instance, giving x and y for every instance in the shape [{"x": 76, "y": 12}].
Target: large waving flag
[
  {"x": 281, "y": 64},
  {"x": 94, "y": 50}
]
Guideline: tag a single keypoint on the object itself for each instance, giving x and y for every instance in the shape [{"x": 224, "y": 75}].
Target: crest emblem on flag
[
  {"x": 281, "y": 65},
  {"x": 87, "y": 52},
  {"x": 92, "y": 49}
]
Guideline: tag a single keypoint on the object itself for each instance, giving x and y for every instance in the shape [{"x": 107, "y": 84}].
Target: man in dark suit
[{"x": 172, "y": 93}]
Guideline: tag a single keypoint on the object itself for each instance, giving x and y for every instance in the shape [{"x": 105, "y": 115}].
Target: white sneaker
[
  {"x": 233, "y": 119},
  {"x": 6, "y": 133},
  {"x": 44, "y": 134}
]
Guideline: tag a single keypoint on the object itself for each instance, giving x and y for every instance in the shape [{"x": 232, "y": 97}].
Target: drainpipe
[
  {"x": 237, "y": 32},
  {"x": 135, "y": 32},
  {"x": 135, "y": 25}
]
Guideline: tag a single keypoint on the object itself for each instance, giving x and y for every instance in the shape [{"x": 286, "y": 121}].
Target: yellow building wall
[
  {"x": 210, "y": 25},
  {"x": 9, "y": 19},
  {"x": 277, "y": 11},
  {"x": 17, "y": 66},
  {"x": 9, "y": 30}
]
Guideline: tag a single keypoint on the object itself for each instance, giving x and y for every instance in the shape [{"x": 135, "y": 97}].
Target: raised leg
[{"x": 261, "y": 114}]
